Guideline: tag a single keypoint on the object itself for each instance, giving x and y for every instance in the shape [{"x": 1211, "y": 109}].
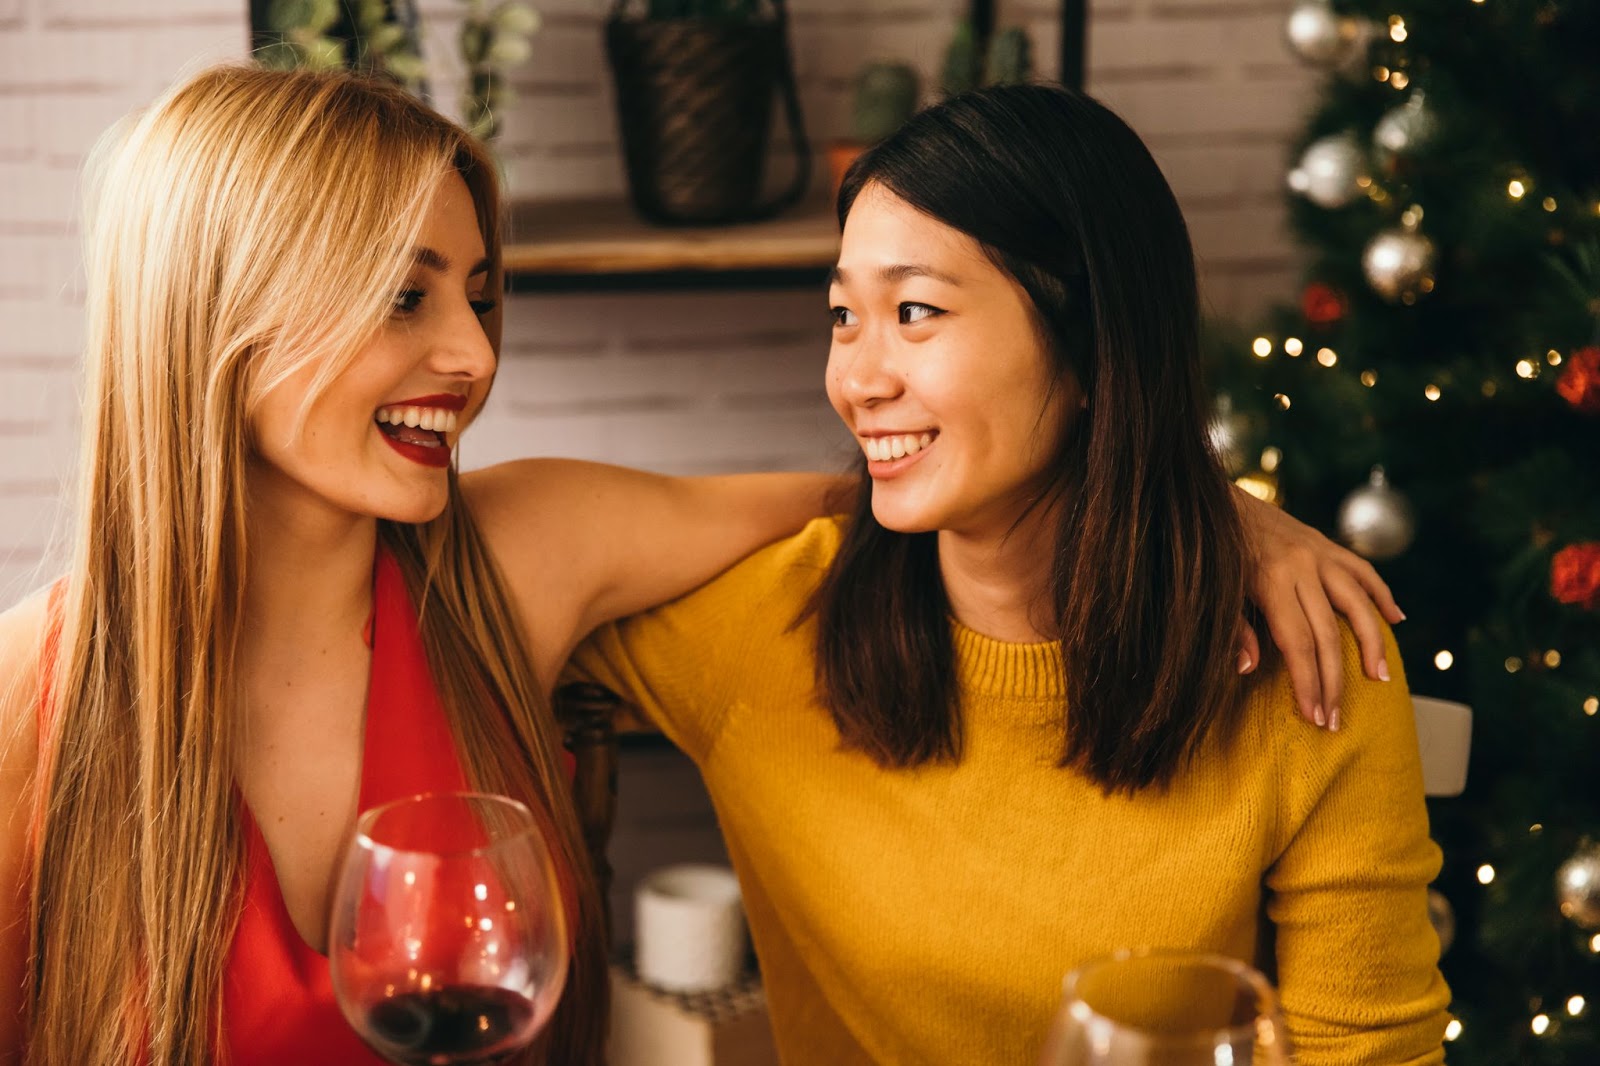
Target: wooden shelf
[{"x": 598, "y": 244}]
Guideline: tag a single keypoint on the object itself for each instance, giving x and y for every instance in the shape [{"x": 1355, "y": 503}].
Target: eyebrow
[
  {"x": 438, "y": 261},
  {"x": 899, "y": 272}
]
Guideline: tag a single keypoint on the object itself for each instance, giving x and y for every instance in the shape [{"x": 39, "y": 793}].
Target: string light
[
  {"x": 1399, "y": 79},
  {"x": 1444, "y": 660},
  {"x": 1382, "y": 74},
  {"x": 1553, "y": 357},
  {"x": 1527, "y": 368},
  {"x": 1327, "y": 356},
  {"x": 1552, "y": 658},
  {"x": 1397, "y": 29},
  {"x": 1292, "y": 346},
  {"x": 1549, "y": 203},
  {"x": 1535, "y": 829},
  {"x": 1485, "y": 874},
  {"x": 1270, "y": 458},
  {"x": 1513, "y": 664},
  {"x": 1282, "y": 401},
  {"x": 1591, "y": 706},
  {"x": 1453, "y": 1030},
  {"x": 1489, "y": 389},
  {"x": 1594, "y": 943},
  {"x": 1262, "y": 347},
  {"x": 1369, "y": 378},
  {"x": 1540, "y": 1024},
  {"x": 1431, "y": 392},
  {"x": 1575, "y": 1005},
  {"x": 1516, "y": 190}
]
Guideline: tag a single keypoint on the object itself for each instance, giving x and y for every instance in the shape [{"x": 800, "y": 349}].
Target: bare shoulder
[{"x": 22, "y": 633}]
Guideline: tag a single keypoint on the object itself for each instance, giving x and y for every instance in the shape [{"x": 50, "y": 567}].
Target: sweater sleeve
[{"x": 1357, "y": 958}]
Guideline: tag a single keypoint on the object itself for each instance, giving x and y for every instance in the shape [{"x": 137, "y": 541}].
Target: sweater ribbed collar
[{"x": 989, "y": 667}]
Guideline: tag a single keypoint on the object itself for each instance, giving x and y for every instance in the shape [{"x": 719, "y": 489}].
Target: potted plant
[
  {"x": 695, "y": 80},
  {"x": 885, "y": 96},
  {"x": 381, "y": 37}
]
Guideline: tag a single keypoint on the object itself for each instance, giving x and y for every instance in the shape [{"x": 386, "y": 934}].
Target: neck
[
  {"x": 308, "y": 579},
  {"x": 998, "y": 580}
]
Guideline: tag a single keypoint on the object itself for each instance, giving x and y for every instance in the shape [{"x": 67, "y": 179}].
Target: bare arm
[
  {"x": 583, "y": 543},
  {"x": 21, "y": 629},
  {"x": 1298, "y": 578}
]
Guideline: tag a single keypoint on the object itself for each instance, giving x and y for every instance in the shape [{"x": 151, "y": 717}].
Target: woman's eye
[
  {"x": 842, "y": 316},
  {"x": 483, "y": 307},
  {"x": 408, "y": 300},
  {"x": 915, "y": 312}
]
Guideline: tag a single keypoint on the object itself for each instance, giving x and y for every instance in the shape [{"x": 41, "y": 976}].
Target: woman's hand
[{"x": 1298, "y": 578}]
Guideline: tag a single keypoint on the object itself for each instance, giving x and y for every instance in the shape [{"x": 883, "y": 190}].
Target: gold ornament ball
[
  {"x": 1578, "y": 887},
  {"x": 1398, "y": 264},
  {"x": 1443, "y": 918},
  {"x": 1376, "y": 521}
]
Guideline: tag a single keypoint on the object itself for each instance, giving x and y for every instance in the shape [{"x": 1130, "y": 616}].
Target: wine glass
[
  {"x": 1156, "y": 1007},
  {"x": 448, "y": 942}
]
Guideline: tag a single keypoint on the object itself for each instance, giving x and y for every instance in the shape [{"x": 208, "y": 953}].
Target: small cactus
[
  {"x": 1010, "y": 58},
  {"x": 962, "y": 63},
  {"x": 886, "y": 95}
]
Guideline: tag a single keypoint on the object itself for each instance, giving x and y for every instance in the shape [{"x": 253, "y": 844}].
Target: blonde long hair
[{"x": 248, "y": 224}]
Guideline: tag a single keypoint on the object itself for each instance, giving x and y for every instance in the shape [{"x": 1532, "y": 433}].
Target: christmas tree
[{"x": 1434, "y": 401}]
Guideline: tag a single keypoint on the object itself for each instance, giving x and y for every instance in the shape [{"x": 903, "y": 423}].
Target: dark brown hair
[{"x": 1148, "y": 568}]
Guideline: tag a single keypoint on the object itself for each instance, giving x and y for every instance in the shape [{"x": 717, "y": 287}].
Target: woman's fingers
[
  {"x": 1355, "y": 602},
  {"x": 1329, "y": 653},
  {"x": 1249, "y": 647}
]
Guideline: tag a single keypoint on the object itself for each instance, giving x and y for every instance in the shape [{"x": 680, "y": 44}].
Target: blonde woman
[{"x": 283, "y": 605}]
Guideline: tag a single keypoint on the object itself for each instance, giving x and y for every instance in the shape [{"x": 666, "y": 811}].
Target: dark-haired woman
[{"x": 988, "y": 726}]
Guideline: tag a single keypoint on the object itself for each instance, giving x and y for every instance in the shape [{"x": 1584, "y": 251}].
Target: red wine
[{"x": 454, "y": 1024}]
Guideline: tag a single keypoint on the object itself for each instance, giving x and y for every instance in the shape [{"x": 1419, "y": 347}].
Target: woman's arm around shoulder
[
  {"x": 22, "y": 631},
  {"x": 583, "y": 543}
]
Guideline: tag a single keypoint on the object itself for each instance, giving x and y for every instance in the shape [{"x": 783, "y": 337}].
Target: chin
[{"x": 901, "y": 519}]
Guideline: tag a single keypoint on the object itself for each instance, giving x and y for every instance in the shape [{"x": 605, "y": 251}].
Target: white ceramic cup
[{"x": 689, "y": 928}]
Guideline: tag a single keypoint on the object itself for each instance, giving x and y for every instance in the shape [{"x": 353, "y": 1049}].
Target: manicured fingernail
[
  {"x": 1316, "y": 712},
  {"x": 1244, "y": 662},
  {"x": 1402, "y": 614},
  {"x": 1383, "y": 670},
  {"x": 1333, "y": 720}
]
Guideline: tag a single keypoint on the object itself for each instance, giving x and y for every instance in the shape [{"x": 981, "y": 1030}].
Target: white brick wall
[{"x": 679, "y": 382}]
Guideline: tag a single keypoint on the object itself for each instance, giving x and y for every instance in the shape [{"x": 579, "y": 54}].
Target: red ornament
[
  {"x": 1579, "y": 383},
  {"x": 1575, "y": 575},
  {"x": 1322, "y": 304}
]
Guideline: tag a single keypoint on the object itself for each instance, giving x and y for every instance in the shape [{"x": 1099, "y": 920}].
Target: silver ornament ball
[
  {"x": 1320, "y": 36},
  {"x": 1578, "y": 887},
  {"x": 1330, "y": 171},
  {"x": 1398, "y": 264},
  {"x": 1443, "y": 918},
  {"x": 1230, "y": 433},
  {"x": 1404, "y": 130},
  {"x": 1376, "y": 521}
]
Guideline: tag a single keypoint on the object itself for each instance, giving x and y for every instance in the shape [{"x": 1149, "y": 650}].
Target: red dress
[{"x": 278, "y": 1004}]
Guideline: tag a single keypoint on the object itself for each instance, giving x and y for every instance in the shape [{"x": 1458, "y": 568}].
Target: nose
[
  {"x": 461, "y": 349},
  {"x": 863, "y": 374}
]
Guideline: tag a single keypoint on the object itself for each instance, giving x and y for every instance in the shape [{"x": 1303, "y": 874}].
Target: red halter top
[{"x": 278, "y": 1002}]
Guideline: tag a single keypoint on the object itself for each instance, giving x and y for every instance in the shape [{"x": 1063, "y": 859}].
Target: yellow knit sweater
[{"x": 927, "y": 916}]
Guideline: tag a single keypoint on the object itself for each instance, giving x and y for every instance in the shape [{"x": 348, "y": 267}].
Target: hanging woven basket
[{"x": 694, "y": 107}]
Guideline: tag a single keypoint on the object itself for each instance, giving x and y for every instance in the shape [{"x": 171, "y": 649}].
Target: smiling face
[
  {"x": 376, "y": 441},
  {"x": 940, "y": 371}
]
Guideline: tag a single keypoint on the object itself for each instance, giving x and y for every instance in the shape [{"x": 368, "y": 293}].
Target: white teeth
[
  {"x": 435, "y": 418},
  {"x": 887, "y": 449}
]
